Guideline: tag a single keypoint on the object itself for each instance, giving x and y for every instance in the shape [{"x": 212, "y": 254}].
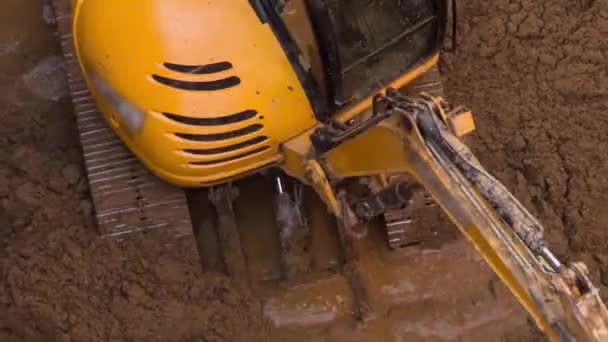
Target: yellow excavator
[{"x": 341, "y": 96}]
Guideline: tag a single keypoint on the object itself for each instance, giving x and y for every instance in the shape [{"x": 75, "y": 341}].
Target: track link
[
  {"x": 126, "y": 196},
  {"x": 401, "y": 224}
]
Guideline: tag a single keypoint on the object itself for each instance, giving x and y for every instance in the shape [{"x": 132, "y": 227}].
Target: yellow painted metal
[
  {"x": 366, "y": 104},
  {"x": 460, "y": 120},
  {"x": 296, "y": 152},
  {"x": 319, "y": 181},
  {"x": 379, "y": 150},
  {"x": 364, "y": 155},
  {"x": 296, "y": 18},
  {"x": 391, "y": 147},
  {"x": 478, "y": 221},
  {"x": 462, "y": 123},
  {"x": 503, "y": 267},
  {"x": 316, "y": 175},
  {"x": 126, "y": 42}
]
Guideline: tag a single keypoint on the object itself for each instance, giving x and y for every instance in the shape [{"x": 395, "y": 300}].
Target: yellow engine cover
[{"x": 201, "y": 91}]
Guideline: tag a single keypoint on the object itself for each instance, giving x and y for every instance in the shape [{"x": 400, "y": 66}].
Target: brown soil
[
  {"x": 58, "y": 280},
  {"x": 535, "y": 74},
  {"x": 533, "y": 71}
]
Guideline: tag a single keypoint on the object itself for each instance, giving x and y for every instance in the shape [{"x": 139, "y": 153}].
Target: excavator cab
[
  {"x": 351, "y": 49},
  {"x": 328, "y": 91}
]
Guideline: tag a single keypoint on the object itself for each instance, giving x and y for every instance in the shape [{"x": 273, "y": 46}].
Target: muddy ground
[{"x": 533, "y": 71}]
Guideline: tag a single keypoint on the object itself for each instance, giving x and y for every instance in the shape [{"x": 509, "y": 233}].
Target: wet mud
[{"x": 533, "y": 72}]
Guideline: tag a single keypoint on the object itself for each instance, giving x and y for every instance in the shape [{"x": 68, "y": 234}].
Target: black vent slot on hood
[
  {"x": 221, "y": 136},
  {"x": 224, "y": 83},
  {"x": 229, "y": 159},
  {"x": 199, "y": 69},
  {"x": 214, "y": 121},
  {"x": 229, "y": 148}
]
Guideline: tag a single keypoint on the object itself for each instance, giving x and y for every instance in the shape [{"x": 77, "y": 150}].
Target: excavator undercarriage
[{"x": 326, "y": 234}]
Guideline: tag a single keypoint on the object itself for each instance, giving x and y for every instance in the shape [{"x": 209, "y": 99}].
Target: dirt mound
[{"x": 535, "y": 74}]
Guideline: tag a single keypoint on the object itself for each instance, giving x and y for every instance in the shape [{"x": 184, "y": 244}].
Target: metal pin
[
  {"x": 280, "y": 185},
  {"x": 550, "y": 258}
]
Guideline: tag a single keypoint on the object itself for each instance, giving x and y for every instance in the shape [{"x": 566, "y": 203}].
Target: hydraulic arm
[
  {"x": 418, "y": 136},
  {"x": 562, "y": 300}
]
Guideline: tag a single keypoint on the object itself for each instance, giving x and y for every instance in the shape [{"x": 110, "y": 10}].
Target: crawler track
[{"x": 126, "y": 196}]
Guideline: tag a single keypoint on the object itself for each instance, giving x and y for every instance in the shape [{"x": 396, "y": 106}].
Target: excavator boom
[
  {"x": 561, "y": 299},
  {"x": 564, "y": 303}
]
